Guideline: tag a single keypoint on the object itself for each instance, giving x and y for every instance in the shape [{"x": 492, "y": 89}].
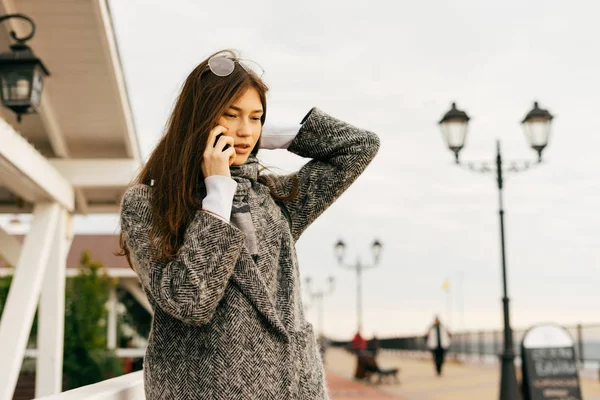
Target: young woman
[{"x": 212, "y": 240}]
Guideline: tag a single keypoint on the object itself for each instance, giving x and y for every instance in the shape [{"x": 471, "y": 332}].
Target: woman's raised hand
[{"x": 215, "y": 160}]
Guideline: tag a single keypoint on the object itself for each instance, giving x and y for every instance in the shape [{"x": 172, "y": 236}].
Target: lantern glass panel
[
  {"x": 455, "y": 132},
  {"x": 537, "y": 131},
  {"x": 16, "y": 84}
]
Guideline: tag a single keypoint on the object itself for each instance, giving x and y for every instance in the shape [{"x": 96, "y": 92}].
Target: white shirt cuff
[
  {"x": 278, "y": 136},
  {"x": 219, "y": 196}
]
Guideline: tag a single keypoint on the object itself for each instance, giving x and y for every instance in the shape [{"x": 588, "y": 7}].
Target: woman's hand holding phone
[
  {"x": 219, "y": 153},
  {"x": 217, "y": 140}
]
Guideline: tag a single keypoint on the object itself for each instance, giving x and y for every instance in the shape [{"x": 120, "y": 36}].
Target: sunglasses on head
[{"x": 224, "y": 66}]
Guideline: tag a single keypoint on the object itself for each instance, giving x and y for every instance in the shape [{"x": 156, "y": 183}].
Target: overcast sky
[{"x": 394, "y": 68}]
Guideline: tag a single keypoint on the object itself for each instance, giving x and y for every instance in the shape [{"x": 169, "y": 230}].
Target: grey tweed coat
[{"x": 225, "y": 325}]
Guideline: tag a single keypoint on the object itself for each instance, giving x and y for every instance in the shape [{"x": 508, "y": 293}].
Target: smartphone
[{"x": 217, "y": 139}]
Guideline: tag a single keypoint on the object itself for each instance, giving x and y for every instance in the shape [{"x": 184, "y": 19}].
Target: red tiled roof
[{"x": 101, "y": 248}]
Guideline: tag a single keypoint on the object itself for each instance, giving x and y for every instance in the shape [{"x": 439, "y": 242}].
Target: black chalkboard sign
[{"x": 548, "y": 365}]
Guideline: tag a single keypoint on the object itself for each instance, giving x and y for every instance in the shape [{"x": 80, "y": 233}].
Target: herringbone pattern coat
[{"x": 226, "y": 326}]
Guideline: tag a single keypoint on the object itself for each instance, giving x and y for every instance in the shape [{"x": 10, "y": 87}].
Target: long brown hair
[{"x": 174, "y": 167}]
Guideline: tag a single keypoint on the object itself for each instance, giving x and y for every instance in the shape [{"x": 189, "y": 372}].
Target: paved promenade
[
  {"x": 346, "y": 389},
  {"x": 419, "y": 382}
]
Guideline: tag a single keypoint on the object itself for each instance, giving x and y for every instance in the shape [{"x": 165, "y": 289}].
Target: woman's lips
[{"x": 242, "y": 149}]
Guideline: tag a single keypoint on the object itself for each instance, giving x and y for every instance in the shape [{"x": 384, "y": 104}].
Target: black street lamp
[
  {"x": 21, "y": 73},
  {"x": 536, "y": 125},
  {"x": 340, "y": 248},
  {"x": 317, "y": 296}
]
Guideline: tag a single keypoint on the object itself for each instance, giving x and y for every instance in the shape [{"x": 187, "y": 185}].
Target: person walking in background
[
  {"x": 358, "y": 343},
  {"x": 374, "y": 345},
  {"x": 359, "y": 346},
  {"x": 438, "y": 342},
  {"x": 212, "y": 239}
]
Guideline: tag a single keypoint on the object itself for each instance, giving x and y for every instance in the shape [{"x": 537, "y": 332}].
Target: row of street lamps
[
  {"x": 454, "y": 126},
  {"x": 316, "y": 296}
]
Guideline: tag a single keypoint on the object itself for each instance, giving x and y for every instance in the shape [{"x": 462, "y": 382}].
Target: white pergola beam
[
  {"x": 94, "y": 208},
  {"x": 81, "y": 201},
  {"x": 119, "y": 352},
  {"x": 24, "y": 294},
  {"x": 10, "y": 248},
  {"x": 103, "y": 209},
  {"x": 133, "y": 287},
  {"x": 58, "y": 142},
  {"x": 51, "y": 317},
  {"x": 97, "y": 173},
  {"x": 71, "y": 272},
  {"x": 111, "y": 51},
  {"x": 28, "y": 174},
  {"x": 51, "y": 126}
]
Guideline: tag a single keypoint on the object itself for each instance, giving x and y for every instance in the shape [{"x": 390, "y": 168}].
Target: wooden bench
[{"x": 371, "y": 368}]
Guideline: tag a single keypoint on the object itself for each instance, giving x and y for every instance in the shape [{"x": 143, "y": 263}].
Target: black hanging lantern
[
  {"x": 21, "y": 74},
  {"x": 454, "y": 126},
  {"x": 537, "y": 127}
]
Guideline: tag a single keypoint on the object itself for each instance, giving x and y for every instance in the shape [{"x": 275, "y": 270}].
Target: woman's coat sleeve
[
  {"x": 339, "y": 151},
  {"x": 189, "y": 287}
]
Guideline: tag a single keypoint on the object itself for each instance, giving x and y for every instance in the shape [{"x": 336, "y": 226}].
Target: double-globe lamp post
[
  {"x": 358, "y": 267},
  {"x": 537, "y": 124}
]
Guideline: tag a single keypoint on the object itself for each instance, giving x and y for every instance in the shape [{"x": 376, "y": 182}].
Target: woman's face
[{"x": 242, "y": 119}]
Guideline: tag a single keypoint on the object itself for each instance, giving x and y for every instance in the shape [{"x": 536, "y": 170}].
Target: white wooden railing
[{"x": 125, "y": 387}]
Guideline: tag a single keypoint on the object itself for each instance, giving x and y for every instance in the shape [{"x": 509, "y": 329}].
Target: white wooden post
[
  {"x": 24, "y": 294},
  {"x": 112, "y": 320},
  {"x": 51, "y": 317}
]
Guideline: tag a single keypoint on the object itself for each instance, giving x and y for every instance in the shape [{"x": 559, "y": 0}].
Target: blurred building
[{"x": 74, "y": 154}]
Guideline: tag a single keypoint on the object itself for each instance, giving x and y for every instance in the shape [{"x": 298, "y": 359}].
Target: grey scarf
[{"x": 246, "y": 176}]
